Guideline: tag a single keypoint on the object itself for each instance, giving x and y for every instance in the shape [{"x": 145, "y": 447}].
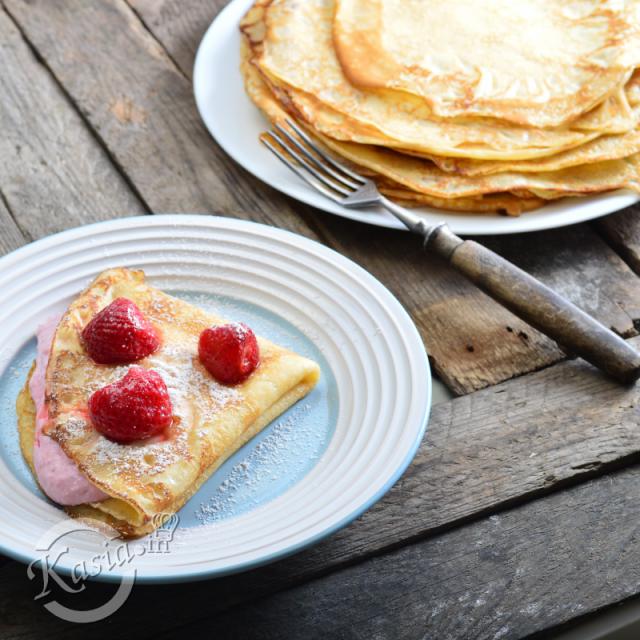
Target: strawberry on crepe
[{"x": 137, "y": 397}]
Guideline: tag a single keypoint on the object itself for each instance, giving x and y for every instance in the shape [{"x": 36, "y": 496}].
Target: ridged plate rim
[{"x": 392, "y": 357}]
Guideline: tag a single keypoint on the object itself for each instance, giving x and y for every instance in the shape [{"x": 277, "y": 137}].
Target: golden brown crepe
[
  {"x": 293, "y": 47},
  {"x": 211, "y": 421},
  {"x": 432, "y": 186},
  {"x": 563, "y": 58},
  {"x": 450, "y": 125}
]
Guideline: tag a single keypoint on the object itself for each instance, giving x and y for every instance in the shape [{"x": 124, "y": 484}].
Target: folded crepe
[{"x": 145, "y": 481}]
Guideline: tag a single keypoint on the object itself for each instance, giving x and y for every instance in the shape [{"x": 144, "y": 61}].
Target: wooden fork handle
[{"x": 537, "y": 304}]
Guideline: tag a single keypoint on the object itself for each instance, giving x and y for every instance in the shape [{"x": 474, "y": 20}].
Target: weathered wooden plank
[
  {"x": 622, "y": 231},
  {"x": 518, "y": 573},
  {"x": 10, "y": 235},
  {"x": 53, "y": 172},
  {"x": 577, "y": 263},
  {"x": 142, "y": 108},
  {"x": 482, "y": 452},
  {"x": 473, "y": 342},
  {"x": 486, "y": 451},
  {"x": 178, "y": 26}
]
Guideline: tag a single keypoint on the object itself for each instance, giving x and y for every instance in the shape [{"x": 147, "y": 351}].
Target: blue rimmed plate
[{"x": 309, "y": 473}]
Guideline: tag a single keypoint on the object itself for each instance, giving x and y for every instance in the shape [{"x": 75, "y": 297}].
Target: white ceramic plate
[
  {"x": 314, "y": 469},
  {"x": 236, "y": 124}
]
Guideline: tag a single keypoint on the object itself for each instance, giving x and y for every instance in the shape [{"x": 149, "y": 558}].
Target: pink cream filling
[{"x": 57, "y": 474}]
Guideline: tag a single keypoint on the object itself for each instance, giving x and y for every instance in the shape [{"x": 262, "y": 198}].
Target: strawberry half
[
  {"x": 133, "y": 408},
  {"x": 120, "y": 334},
  {"x": 229, "y": 352}
]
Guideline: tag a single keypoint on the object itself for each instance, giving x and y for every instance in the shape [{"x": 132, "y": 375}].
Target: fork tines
[{"x": 310, "y": 162}]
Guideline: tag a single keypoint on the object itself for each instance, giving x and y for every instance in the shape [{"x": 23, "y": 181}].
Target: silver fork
[{"x": 577, "y": 332}]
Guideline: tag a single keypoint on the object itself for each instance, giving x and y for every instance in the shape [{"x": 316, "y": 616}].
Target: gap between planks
[
  {"x": 473, "y": 342},
  {"x": 516, "y": 575},
  {"x": 483, "y": 453},
  {"x": 53, "y": 172},
  {"x": 597, "y": 464}
]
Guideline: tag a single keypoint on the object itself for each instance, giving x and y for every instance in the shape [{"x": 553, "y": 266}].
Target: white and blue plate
[{"x": 313, "y": 470}]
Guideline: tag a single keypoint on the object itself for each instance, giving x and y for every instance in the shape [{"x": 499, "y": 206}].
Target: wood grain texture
[
  {"x": 178, "y": 26},
  {"x": 142, "y": 108},
  {"x": 487, "y": 451},
  {"x": 510, "y": 576},
  {"x": 622, "y": 231},
  {"x": 53, "y": 172},
  {"x": 10, "y": 235},
  {"x": 575, "y": 331},
  {"x": 578, "y": 264},
  {"x": 473, "y": 342}
]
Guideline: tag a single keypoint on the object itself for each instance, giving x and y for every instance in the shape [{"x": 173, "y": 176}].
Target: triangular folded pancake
[{"x": 211, "y": 421}]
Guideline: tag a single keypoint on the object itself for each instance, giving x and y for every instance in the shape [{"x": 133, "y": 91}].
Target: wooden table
[{"x": 521, "y": 510}]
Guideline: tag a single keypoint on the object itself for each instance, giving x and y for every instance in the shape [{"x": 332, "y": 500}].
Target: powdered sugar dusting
[
  {"x": 290, "y": 443},
  {"x": 187, "y": 383},
  {"x": 239, "y": 330},
  {"x": 196, "y": 398},
  {"x": 149, "y": 458},
  {"x": 75, "y": 426}
]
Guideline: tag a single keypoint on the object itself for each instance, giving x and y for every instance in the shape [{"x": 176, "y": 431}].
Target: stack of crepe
[{"x": 466, "y": 105}]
